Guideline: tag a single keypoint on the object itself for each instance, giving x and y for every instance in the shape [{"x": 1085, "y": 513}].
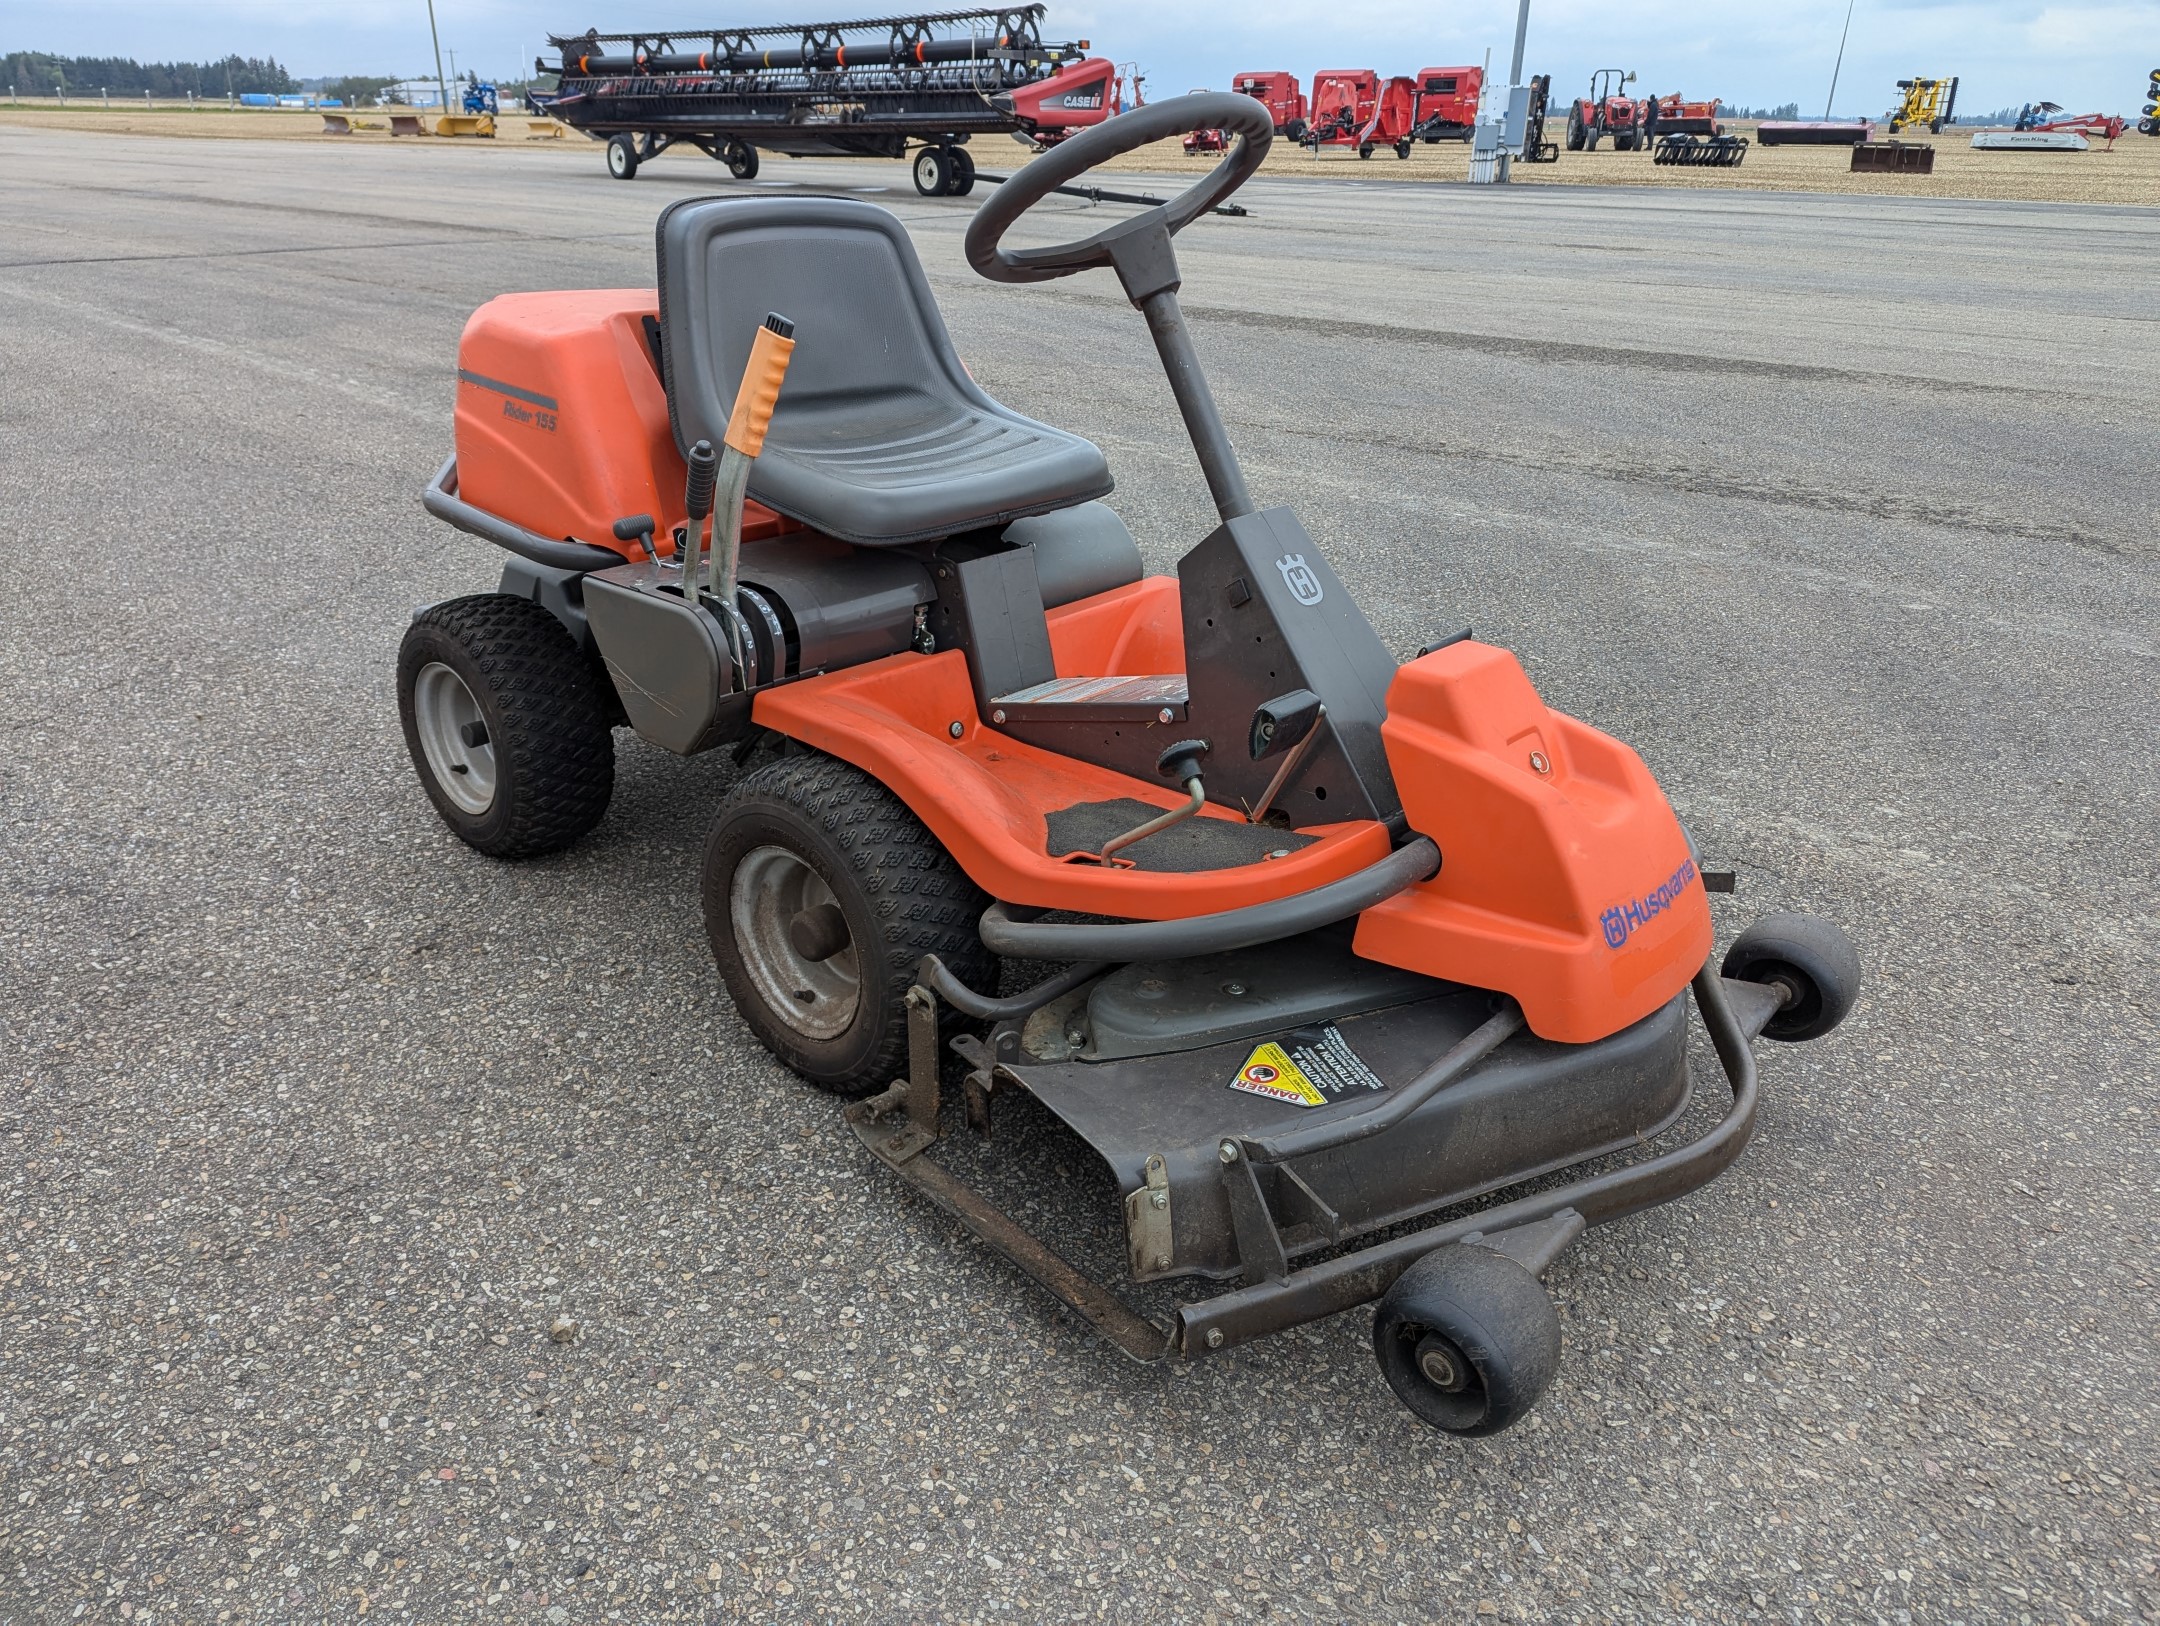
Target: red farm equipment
[
  {"x": 1445, "y": 103},
  {"x": 2050, "y": 116},
  {"x": 1280, "y": 95},
  {"x": 1355, "y": 107},
  {"x": 1670, "y": 115},
  {"x": 1207, "y": 138},
  {"x": 1605, "y": 112}
]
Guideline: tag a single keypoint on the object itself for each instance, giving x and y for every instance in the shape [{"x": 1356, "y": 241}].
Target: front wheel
[
  {"x": 1811, "y": 960},
  {"x": 622, "y": 156},
  {"x": 1467, "y": 1339},
  {"x": 822, "y": 893},
  {"x": 506, "y": 723},
  {"x": 741, "y": 159},
  {"x": 933, "y": 172},
  {"x": 1402, "y": 149}
]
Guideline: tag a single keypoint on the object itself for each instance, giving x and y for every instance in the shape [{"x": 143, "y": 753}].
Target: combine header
[
  {"x": 867, "y": 89},
  {"x": 1927, "y": 101}
]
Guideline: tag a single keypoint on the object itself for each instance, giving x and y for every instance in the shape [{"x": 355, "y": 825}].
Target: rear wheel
[
  {"x": 822, "y": 893},
  {"x": 741, "y": 159},
  {"x": 963, "y": 174},
  {"x": 933, "y": 172},
  {"x": 1467, "y": 1339},
  {"x": 1575, "y": 129},
  {"x": 1811, "y": 959},
  {"x": 622, "y": 156},
  {"x": 506, "y": 724}
]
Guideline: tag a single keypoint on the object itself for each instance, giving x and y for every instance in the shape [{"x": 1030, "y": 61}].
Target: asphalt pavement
[{"x": 1840, "y": 510}]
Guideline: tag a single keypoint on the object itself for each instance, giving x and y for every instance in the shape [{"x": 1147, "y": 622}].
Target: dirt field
[{"x": 2130, "y": 174}]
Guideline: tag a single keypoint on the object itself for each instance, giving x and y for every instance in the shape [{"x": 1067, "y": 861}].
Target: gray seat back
[{"x": 880, "y": 436}]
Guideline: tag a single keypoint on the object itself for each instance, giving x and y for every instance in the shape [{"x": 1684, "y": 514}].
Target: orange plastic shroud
[
  {"x": 562, "y": 423},
  {"x": 1565, "y": 879}
]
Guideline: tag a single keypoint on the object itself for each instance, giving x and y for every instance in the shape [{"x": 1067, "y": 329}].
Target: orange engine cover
[
  {"x": 562, "y": 422},
  {"x": 1565, "y": 879}
]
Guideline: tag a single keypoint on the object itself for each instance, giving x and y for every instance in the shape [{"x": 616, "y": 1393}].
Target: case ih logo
[
  {"x": 1075, "y": 99},
  {"x": 1621, "y": 919},
  {"x": 1298, "y": 576}
]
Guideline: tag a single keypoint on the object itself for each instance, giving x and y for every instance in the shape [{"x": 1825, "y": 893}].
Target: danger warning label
[{"x": 1309, "y": 1069}]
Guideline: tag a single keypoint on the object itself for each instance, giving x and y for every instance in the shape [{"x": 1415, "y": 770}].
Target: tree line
[{"x": 35, "y": 73}]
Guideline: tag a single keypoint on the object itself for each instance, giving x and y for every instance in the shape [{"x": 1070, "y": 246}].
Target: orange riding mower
[{"x": 1342, "y": 952}]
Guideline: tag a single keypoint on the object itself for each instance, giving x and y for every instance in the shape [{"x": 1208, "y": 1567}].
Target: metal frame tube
[{"x": 1196, "y": 404}]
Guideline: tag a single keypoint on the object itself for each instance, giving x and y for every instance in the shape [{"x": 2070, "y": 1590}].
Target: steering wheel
[{"x": 1242, "y": 116}]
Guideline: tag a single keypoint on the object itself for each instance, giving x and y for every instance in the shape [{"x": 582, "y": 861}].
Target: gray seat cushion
[{"x": 880, "y": 436}]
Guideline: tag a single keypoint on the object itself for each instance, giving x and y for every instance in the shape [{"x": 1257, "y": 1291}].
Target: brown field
[{"x": 2130, "y": 174}]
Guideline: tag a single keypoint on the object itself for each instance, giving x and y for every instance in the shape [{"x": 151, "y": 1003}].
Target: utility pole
[
  {"x": 441, "y": 88},
  {"x": 1834, "y": 72}
]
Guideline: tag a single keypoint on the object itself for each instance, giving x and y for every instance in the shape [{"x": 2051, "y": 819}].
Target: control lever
[
  {"x": 698, "y": 499},
  {"x": 1289, "y": 724},
  {"x": 755, "y": 399},
  {"x": 638, "y": 528},
  {"x": 1180, "y": 764}
]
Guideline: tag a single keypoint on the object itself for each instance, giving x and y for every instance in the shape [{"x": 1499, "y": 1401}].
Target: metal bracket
[
  {"x": 1148, "y": 1232},
  {"x": 1260, "y": 1246}
]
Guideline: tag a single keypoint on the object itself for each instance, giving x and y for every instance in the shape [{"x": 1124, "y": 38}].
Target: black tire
[
  {"x": 548, "y": 749},
  {"x": 1294, "y": 131},
  {"x": 1402, "y": 149},
  {"x": 1895, "y": 127},
  {"x": 898, "y": 894},
  {"x": 963, "y": 174},
  {"x": 741, "y": 159},
  {"x": 1467, "y": 1339},
  {"x": 622, "y": 156},
  {"x": 1364, "y": 149},
  {"x": 933, "y": 172},
  {"x": 1575, "y": 130},
  {"x": 1625, "y": 141},
  {"x": 1810, "y": 957},
  {"x": 1934, "y": 126}
]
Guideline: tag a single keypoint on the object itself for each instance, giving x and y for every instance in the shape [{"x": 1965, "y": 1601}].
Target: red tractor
[
  {"x": 1605, "y": 112},
  {"x": 1280, "y": 95},
  {"x": 1446, "y": 103},
  {"x": 1355, "y": 107}
]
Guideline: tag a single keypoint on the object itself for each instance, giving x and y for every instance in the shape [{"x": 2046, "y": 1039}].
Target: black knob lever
[{"x": 1180, "y": 763}]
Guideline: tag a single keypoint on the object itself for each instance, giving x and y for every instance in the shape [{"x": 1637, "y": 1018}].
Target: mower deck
[{"x": 1223, "y": 1182}]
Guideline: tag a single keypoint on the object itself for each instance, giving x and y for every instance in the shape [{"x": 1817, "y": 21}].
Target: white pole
[
  {"x": 1834, "y": 72},
  {"x": 441, "y": 88}
]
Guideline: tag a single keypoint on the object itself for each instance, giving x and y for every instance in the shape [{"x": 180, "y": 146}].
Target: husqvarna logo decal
[
  {"x": 1621, "y": 919},
  {"x": 1298, "y": 576}
]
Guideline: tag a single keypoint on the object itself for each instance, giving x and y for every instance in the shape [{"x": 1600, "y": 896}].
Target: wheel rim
[
  {"x": 816, "y": 998},
  {"x": 927, "y": 171},
  {"x": 447, "y": 716}
]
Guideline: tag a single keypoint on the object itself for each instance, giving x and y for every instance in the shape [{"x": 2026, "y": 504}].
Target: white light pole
[
  {"x": 441, "y": 88},
  {"x": 1834, "y": 72}
]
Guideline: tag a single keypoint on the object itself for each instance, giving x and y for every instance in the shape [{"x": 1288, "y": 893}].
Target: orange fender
[{"x": 1565, "y": 879}]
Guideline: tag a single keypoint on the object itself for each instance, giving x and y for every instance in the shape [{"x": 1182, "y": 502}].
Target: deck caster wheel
[
  {"x": 506, "y": 723},
  {"x": 1467, "y": 1339},
  {"x": 822, "y": 893},
  {"x": 1812, "y": 959},
  {"x": 622, "y": 156},
  {"x": 933, "y": 172},
  {"x": 741, "y": 159}
]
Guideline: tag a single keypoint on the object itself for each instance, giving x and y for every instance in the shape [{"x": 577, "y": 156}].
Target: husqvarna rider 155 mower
[{"x": 1341, "y": 946}]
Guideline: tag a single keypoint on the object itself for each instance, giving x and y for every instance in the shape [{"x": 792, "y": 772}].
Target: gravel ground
[
  {"x": 2127, "y": 173},
  {"x": 317, "y": 1124}
]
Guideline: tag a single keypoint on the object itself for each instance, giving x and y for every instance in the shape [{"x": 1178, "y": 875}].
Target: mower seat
[{"x": 880, "y": 436}]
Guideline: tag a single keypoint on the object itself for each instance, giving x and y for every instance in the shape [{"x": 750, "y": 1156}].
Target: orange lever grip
[{"x": 760, "y": 391}]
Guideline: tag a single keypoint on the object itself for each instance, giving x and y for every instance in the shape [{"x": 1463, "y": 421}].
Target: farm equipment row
[
  {"x": 871, "y": 88},
  {"x": 1357, "y": 108}
]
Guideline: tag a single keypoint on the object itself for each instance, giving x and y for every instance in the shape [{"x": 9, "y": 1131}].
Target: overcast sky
[{"x": 2090, "y": 57}]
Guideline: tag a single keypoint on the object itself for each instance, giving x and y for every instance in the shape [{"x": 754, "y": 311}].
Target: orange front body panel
[
  {"x": 1565, "y": 880},
  {"x": 984, "y": 795},
  {"x": 562, "y": 424}
]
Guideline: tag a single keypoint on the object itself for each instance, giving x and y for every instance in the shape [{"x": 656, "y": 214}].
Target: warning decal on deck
[{"x": 1311, "y": 1068}]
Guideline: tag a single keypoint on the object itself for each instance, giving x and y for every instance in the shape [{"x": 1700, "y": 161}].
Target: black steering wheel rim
[{"x": 1242, "y": 116}]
